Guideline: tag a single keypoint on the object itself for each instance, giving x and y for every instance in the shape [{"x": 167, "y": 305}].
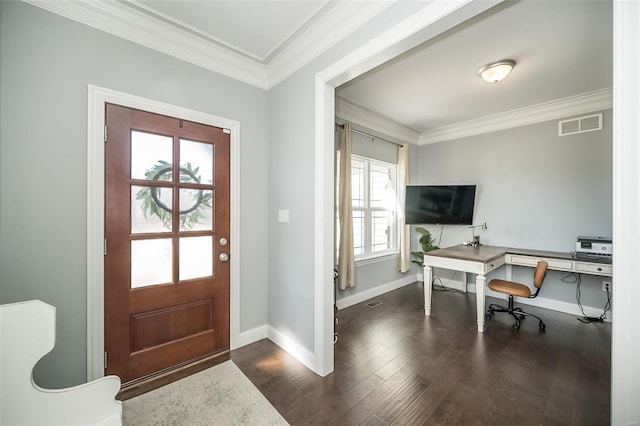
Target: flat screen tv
[{"x": 440, "y": 204}]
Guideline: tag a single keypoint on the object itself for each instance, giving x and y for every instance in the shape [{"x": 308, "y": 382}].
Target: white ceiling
[
  {"x": 563, "y": 49},
  {"x": 256, "y": 28}
]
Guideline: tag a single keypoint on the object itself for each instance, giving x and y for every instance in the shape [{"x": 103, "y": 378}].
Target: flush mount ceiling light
[{"x": 496, "y": 71}]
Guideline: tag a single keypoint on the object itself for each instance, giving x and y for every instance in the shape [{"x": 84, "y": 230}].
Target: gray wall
[
  {"x": 292, "y": 183},
  {"x": 47, "y": 63},
  {"x": 535, "y": 190}
]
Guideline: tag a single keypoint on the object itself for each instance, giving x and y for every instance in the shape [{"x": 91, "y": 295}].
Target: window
[{"x": 374, "y": 203}]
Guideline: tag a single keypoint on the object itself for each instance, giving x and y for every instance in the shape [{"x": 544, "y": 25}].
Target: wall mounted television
[{"x": 440, "y": 204}]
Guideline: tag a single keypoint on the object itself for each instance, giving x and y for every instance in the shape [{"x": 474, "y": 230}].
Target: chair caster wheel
[
  {"x": 517, "y": 325},
  {"x": 543, "y": 326}
]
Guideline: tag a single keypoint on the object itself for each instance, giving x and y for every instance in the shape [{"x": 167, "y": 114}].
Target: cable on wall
[{"x": 576, "y": 279}]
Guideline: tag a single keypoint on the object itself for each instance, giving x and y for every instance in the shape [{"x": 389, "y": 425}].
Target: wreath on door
[{"x": 152, "y": 204}]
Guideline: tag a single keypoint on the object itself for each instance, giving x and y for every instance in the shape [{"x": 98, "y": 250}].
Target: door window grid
[{"x": 153, "y": 208}]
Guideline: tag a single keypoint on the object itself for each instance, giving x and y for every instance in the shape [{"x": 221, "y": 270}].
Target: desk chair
[{"x": 516, "y": 289}]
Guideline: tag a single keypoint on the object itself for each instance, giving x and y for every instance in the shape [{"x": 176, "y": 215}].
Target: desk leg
[
  {"x": 464, "y": 282},
  {"x": 480, "y": 282},
  {"x": 428, "y": 277}
]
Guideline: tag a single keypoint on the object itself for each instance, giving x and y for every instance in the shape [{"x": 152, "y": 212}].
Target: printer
[{"x": 594, "y": 247}]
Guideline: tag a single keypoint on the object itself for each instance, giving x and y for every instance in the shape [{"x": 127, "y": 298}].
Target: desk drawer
[
  {"x": 594, "y": 268},
  {"x": 514, "y": 259},
  {"x": 557, "y": 264}
]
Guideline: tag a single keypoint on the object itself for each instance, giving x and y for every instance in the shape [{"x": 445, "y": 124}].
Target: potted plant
[{"x": 427, "y": 244}]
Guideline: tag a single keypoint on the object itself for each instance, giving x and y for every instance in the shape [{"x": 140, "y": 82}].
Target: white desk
[{"x": 483, "y": 259}]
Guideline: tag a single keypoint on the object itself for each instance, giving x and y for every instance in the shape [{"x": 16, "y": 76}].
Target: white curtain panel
[
  {"x": 346, "y": 263},
  {"x": 405, "y": 235}
]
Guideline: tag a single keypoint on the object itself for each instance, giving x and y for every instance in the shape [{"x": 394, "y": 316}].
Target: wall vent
[{"x": 588, "y": 123}]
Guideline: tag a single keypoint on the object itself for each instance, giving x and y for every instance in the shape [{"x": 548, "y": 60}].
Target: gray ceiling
[{"x": 562, "y": 49}]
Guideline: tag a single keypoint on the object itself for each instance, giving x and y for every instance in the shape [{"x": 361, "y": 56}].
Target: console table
[{"x": 483, "y": 259}]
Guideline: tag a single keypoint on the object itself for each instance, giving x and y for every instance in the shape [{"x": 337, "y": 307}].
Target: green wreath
[{"x": 152, "y": 205}]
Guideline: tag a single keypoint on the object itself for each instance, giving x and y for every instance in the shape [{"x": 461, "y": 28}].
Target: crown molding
[
  {"x": 152, "y": 13},
  {"x": 363, "y": 117},
  {"x": 560, "y": 108},
  {"x": 335, "y": 24},
  {"x": 135, "y": 23}
]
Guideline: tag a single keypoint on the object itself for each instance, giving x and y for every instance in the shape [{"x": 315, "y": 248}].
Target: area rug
[{"x": 220, "y": 395}]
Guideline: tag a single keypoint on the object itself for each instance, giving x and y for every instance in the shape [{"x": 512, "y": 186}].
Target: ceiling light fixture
[{"x": 496, "y": 71}]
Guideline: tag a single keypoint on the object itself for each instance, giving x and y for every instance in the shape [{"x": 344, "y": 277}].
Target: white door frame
[
  {"x": 97, "y": 99},
  {"x": 438, "y": 16},
  {"x": 435, "y": 18}
]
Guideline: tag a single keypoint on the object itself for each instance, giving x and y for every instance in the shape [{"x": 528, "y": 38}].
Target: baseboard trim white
[
  {"x": 293, "y": 348},
  {"x": 345, "y": 302},
  {"x": 539, "y": 302},
  {"x": 253, "y": 335}
]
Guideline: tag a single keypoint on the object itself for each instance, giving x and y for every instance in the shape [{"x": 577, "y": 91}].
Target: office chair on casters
[{"x": 516, "y": 289}]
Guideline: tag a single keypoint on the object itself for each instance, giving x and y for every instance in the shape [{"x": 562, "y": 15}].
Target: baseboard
[
  {"x": 539, "y": 302},
  {"x": 554, "y": 305},
  {"x": 285, "y": 342},
  {"x": 345, "y": 302},
  {"x": 253, "y": 335},
  {"x": 292, "y": 347},
  {"x": 308, "y": 358}
]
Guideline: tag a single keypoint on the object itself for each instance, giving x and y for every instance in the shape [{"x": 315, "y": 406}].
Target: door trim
[
  {"x": 433, "y": 19},
  {"x": 97, "y": 98}
]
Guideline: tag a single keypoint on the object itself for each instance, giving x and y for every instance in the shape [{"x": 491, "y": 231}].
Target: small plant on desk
[{"x": 427, "y": 244}]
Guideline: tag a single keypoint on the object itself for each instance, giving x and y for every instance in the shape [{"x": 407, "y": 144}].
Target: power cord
[
  {"x": 442, "y": 287},
  {"x": 577, "y": 279}
]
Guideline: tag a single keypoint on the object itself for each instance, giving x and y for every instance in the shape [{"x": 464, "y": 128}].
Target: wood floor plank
[
  {"x": 395, "y": 366},
  {"x": 395, "y": 404}
]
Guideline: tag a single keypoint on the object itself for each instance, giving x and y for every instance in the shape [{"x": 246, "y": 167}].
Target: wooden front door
[{"x": 167, "y": 242}]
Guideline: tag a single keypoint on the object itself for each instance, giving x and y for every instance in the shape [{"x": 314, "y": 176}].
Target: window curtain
[
  {"x": 404, "y": 241},
  {"x": 346, "y": 263}
]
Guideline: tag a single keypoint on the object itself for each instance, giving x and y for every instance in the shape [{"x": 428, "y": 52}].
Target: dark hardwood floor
[{"x": 393, "y": 365}]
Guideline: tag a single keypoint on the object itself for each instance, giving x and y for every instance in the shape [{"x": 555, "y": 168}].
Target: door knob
[
  {"x": 223, "y": 241},
  {"x": 223, "y": 257}
]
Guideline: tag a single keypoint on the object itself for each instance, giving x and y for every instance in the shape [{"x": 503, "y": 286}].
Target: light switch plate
[{"x": 283, "y": 216}]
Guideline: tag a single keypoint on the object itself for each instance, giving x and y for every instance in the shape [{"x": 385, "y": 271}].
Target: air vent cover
[{"x": 588, "y": 123}]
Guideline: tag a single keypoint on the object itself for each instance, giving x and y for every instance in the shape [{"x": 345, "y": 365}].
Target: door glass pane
[
  {"x": 196, "y": 210},
  {"x": 196, "y": 162},
  {"x": 151, "y": 262},
  {"x": 196, "y": 257},
  {"x": 150, "y": 209},
  {"x": 151, "y": 156}
]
